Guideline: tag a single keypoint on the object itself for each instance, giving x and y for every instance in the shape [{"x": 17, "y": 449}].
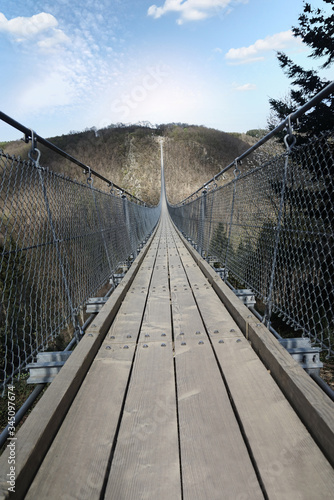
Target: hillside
[{"x": 130, "y": 156}]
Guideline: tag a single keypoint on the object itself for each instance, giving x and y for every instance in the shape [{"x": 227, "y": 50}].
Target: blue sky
[{"x": 70, "y": 64}]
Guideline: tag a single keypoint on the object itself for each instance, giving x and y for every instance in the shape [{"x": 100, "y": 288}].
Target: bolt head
[
  {"x": 145, "y": 345},
  {"x": 126, "y": 347},
  {"x": 108, "y": 347},
  {"x": 221, "y": 342}
]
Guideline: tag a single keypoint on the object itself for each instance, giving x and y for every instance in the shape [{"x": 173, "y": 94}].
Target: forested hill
[{"x": 130, "y": 156}]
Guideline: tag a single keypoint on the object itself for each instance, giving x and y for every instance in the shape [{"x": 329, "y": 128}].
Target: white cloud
[
  {"x": 40, "y": 27},
  {"x": 58, "y": 37},
  {"x": 245, "y": 87},
  {"x": 191, "y": 10},
  {"x": 253, "y": 52},
  {"x": 26, "y": 27}
]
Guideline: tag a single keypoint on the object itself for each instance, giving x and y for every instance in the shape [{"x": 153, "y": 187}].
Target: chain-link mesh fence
[
  {"x": 60, "y": 242},
  {"x": 271, "y": 229}
]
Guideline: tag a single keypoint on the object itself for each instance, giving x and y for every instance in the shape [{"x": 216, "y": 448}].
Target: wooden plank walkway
[{"x": 176, "y": 404}]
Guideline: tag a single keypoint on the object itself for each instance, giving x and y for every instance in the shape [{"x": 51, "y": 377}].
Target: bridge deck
[{"x": 176, "y": 404}]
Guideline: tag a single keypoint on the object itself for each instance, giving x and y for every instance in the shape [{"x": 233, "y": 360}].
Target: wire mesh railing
[
  {"x": 60, "y": 242},
  {"x": 271, "y": 231}
]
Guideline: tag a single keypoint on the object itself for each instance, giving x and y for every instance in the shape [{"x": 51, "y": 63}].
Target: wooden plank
[
  {"x": 157, "y": 319},
  {"x": 76, "y": 463},
  {"x": 95, "y": 412},
  {"x": 125, "y": 329},
  {"x": 215, "y": 461},
  {"x": 214, "y": 457},
  {"x": 36, "y": 435},
  {"x": 146, "y": 463},
  {"x": 312, "y": 405},
  {"x": 290, "y": 463},
  {"x": 219, "y": 322},
  {"x": 146, "y": 460}
]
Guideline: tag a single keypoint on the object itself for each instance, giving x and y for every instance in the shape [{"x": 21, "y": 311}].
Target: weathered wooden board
[
  {"x": 214, "y": 458},
  {"x": 146, "y": 463},
  {"x": 126, "y": 327},
  {"x": 219, "y": 323},
  {"x": 290, "y": 463},
  {"x": 77, "y": 460},
  {"x": 84, "y": 442}
]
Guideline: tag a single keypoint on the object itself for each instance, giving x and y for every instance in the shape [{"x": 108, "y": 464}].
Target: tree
[
  {"x": 316, "y": 29},
  {"x": 317, "y": 32}
]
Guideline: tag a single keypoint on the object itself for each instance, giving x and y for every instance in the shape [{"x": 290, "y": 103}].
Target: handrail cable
[
  {"x": 284, "y": 123},
  {"x": 28, "y": 133}
]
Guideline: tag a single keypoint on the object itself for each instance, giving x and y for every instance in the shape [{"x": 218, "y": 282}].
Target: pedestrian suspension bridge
[{"x": 177, "y": 388}]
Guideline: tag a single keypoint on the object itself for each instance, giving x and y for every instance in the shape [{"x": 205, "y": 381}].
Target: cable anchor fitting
[
  {"x": 290, "y": 138},
  {"x": 89, "y": 178},
  {"x": 236, "y": 170},
  {"x": 33, "y": 150}
]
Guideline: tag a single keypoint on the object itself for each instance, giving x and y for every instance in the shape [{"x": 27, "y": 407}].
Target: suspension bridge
[{"x": 175, "y": 389}]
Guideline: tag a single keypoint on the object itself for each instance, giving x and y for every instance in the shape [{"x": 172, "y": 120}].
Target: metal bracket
[
  {"x": 303, "y": 352},
  {"x": 95, "y": 304},
  {"x": 47, "y": 366},
  {"x": 246, "y": 296},
  {"x": 222, "y": 272}
]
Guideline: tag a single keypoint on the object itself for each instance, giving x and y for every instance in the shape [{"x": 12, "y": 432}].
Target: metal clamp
[
  {"x": 236, "y": 170},
  {"x": 89, "y": 178},
  {"x": 33, "y": 149},
  {"x": 290, "y": 138}
]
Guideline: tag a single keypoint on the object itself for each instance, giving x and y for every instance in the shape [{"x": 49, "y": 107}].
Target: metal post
[
  {"x": 236, "y": 174},
  {"x": 90, "y": 182},
  {"x": 211, "y": 217},
  {"x": 201, "y": 223},
  {"x": 268, "y": 311},
  {"x": 128, "y": 225}
]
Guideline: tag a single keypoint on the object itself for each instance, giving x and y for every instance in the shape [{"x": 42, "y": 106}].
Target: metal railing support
[
  {"x": 201, "y": 224},
  {"x": 236, "y": 175}
]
